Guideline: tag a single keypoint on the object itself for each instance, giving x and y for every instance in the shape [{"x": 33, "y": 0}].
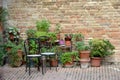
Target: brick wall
[{"x": 93, "y": 18}]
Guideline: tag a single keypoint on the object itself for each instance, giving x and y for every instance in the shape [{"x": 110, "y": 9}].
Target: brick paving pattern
[{"x": 106, "y": 72}]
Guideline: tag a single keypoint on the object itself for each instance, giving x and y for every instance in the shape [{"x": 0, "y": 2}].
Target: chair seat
[
  {"x": 47, "y": 53},
  {"x": 34, "y": 55}
]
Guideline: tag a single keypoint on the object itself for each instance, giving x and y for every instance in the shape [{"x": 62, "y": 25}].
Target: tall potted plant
[
  {"x": 83, "y": 49},
  {"x": 100, "y": 48},
  {"x": 84, "y": 53}
]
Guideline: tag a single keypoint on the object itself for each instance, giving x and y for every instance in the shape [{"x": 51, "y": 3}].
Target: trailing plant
[{"x": 3, "y": 14}]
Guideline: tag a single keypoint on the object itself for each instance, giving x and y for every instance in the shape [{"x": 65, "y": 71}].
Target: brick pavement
[{"x": 106, "y": 72}]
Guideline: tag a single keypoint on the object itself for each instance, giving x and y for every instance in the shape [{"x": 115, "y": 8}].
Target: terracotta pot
[
  {"x": 84, "y": 54},
  {"x": 84, "y": 63},
  {"x": 54, "y": 63},
  {"x": 68, "y": 43},
  {"x": 68, "y": 64},
  {"x": 8, "y": 49},
  {"x": 11, "y": 36},
  {"x": 20, "y": 53},
  {"x": 96, "y": 61}
]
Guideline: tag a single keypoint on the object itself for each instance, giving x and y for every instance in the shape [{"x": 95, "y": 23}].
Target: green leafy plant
[
  {"x": 78, "y": 37},
  {"x": 13, "y": 55},
  {"x": 33, "y": 47},
  {"x": 58, "y": 28},
  {"x": 66, "y": 57},
  {"x": 52, "y": 36},
  {"x": 38, "y": 34},
  {"x": 31, "y": 33},
  {"x": 9, "y": 44},
  {"x": 82, "y": 46},
  {"x": 68, "y": 36},
  {"x": 101, "y": 47},
  {"x": 3, "y": 14},
  {"x": 75, "y": 55},
  {"x": 2, "y": 53},
  {"x": 12, "y": 31},
  {"x": 43, "y": 25}
]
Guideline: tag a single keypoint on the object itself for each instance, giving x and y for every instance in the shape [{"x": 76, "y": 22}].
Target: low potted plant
[
  {"x": 66, "y": 59},
  {"x": 100, "y": 48}
]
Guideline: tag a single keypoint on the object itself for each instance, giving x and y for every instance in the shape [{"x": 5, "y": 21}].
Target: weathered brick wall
[{"x": 93, "y": 18}]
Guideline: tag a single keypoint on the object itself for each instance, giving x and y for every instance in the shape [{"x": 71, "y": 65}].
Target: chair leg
[
  {"x": 29, "y": 65},
  {"x": 26, "y": 64},
  {"x": 49, "y": 63},
  {"x": 43, "y": 64},
  {"x": 38, "y": 64}
]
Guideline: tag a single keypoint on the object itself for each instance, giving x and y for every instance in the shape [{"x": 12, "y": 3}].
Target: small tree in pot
[{"x": 100, "y": 48}]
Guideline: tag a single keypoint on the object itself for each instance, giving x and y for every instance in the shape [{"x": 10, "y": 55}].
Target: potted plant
[
  {"x": 12, "y": 33},
  {"x": 43, "y": 25},
  {"x": 68, "y": 38},
  {"x": 84, "y": 53},
  {"x": 57, "y": 31},
  {"x": 52, "y": 37},
  {"x": 30, "y": 33},
  {"x": 83, "y": 49},
  {"x": 100, "y": 48},
  {"x": 78, "y": 37},
  {"x": 14, "y": 59},
  {"x": 66, "y": 59}
]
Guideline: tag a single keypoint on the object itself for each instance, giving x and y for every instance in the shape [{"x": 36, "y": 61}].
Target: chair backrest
[
  {"x": 31, "y": 46},
  {"x": 45, "y": 44}
]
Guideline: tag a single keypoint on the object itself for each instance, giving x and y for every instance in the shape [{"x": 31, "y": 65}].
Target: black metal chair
[
  {"x": 31, "y": 46},
  {"x": 47, "y": 49}
]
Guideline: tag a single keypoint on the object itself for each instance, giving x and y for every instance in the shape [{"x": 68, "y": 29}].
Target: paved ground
[{"x": 106, "y": 72}]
